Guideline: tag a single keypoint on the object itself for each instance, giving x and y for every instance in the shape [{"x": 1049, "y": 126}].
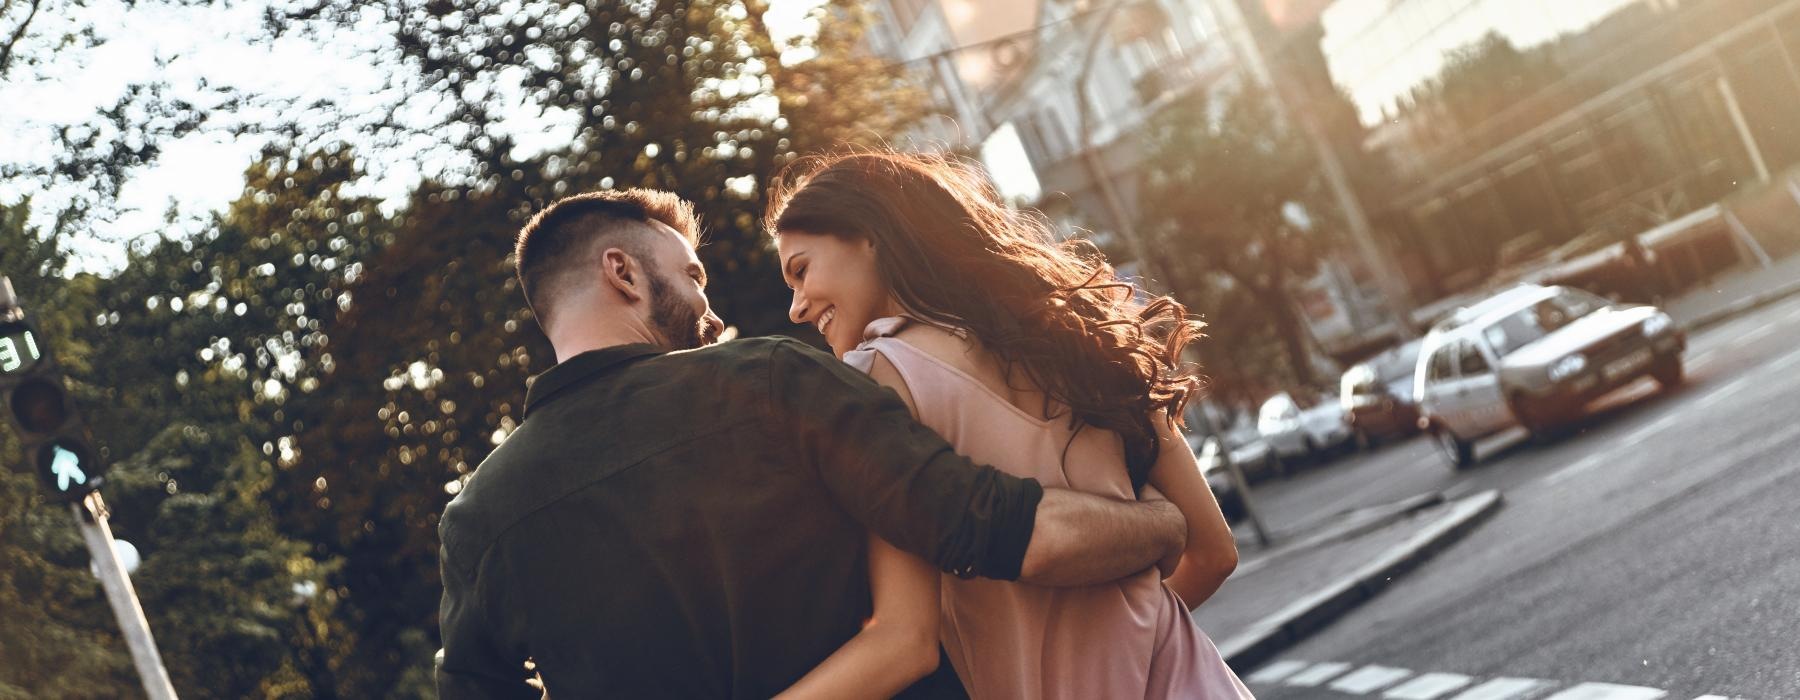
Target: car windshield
[
  {"x": 1397, "y": 364},
  {"x": 1540, "y": 319}
]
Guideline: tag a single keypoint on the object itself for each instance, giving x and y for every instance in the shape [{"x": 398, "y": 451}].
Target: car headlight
[
  {"x": 1567, "y": 367},
  {"x": 1656, "y": 325}
]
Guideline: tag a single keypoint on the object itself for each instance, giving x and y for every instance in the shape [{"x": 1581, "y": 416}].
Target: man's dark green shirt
[{"x": 694, "y": 524}]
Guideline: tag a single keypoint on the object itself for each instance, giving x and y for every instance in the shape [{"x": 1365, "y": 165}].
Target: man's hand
[{"x": 1081, "y": 539}]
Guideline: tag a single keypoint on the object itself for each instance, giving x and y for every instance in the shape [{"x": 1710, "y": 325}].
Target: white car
[
  {"x": 1303, "y": 431},
  {"x": 1535, "y": 357}
]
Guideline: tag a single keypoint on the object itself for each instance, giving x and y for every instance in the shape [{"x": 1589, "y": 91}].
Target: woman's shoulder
[{"x": 946, "y": 345}]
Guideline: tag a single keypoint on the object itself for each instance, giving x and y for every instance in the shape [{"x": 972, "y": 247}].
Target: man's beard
[{"x": 678, "y": 324}]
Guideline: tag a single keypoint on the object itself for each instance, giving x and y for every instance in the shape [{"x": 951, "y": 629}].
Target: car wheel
[
  {"x": 1309, "y": 449},
  {"x": 1275, "y": 466},
  {"x": 1668, "y": 373},
  {"x": 1460, "y": 452},
  {"x": 1364, "y": 441}
]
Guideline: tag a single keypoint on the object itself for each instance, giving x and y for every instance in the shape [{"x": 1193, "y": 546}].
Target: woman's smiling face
[{"x": 837, "y": 288}]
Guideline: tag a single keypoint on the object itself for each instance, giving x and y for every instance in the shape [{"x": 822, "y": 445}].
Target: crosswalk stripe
[
  {"x": 1712, "y": 697},
  {"x": 1319, "y": 673},
  {"x": 1277, "y": 672},
  {"x": 1608, "y": 691},
  {"x": 1369, "y": 679},
  {"x": 1430, "y": 686},
  {"x": 1503, "y": 689}
]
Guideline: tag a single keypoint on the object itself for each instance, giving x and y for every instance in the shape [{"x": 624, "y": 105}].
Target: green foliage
[
  {"x": 180, "y": 363},
  {"x": 1486, "y": 77},
  {"x": 1217, "y": 189},
  {"x": 290, "y": 398},
  {"x": 430, "y": 362}
]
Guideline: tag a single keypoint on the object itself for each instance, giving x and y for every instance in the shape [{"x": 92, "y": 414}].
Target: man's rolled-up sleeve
[{"x": 895, "y": 476}]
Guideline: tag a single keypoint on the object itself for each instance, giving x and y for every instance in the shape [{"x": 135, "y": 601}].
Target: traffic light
[{"x": 55, "y": 440}]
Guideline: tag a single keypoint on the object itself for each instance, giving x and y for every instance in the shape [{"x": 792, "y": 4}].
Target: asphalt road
[{"x": 1658, "y": 547}]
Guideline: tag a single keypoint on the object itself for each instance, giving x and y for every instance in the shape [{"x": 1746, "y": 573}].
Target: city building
[
  {"x": 1016, "y": 96},
  {"x": 1514, "y": 127}
]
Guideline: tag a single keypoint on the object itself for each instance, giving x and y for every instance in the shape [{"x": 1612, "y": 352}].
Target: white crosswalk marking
[
  {"x": 1430, "y": 686},
  {"x": 1320, "y": 673},
  {"x": 1276, "y": 672},
  {"x": 1608, "y": 691},
  {"x": 1369, "y": 679},
  {"x": 1401, "y": 684},
  {"x": 1503, "y": 689}
]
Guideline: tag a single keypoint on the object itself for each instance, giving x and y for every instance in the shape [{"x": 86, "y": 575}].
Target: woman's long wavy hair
[{"x": 953, "y": 254}]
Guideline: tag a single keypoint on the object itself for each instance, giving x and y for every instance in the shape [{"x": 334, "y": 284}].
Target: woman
[{"x": 1021, "y": 353}]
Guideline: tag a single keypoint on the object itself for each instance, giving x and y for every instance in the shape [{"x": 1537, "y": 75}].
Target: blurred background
[{"x": 269, "y": 239}]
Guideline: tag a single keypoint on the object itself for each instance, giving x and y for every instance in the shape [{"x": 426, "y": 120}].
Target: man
[{"x": 675, "y": 520}]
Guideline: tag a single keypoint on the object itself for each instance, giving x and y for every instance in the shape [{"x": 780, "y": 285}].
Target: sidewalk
[
  {"x": 1280, "y": 595},
  {"x": 1735, "y": 293}
]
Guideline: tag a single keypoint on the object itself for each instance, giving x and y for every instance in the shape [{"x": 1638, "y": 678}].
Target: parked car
[
  {"x": 1303, "y": 426},
  {"x": 1535, "y": 356},
  {"x": 1377, "y": 395},
  {"x": 1249, "y": 451}
]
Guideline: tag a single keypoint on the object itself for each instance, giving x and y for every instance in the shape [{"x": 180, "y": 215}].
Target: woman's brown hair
[{"x": 953, "y": 254}]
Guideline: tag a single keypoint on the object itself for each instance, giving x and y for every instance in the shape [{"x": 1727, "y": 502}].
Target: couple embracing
[{"x": 983, "y": 493}]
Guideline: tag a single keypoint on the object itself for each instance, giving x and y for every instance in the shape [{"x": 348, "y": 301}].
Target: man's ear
[{"x": 623, "y": 273}]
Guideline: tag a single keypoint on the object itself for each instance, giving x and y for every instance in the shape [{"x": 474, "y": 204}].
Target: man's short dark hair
[{"x": 570, "y": 233}]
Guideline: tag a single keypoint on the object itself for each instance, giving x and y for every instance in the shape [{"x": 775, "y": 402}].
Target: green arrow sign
[{"x": 66, "y": 466}]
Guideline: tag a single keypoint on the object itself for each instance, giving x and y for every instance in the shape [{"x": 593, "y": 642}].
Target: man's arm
[
  {"x": 894, "y": 476},
  {"x": 471, "y": 665},
  {"x": 905, "y": 483},
  {"x": 1081, "y": 539}
]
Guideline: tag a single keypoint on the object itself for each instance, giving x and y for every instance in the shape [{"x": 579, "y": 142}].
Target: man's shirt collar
[{"x": 580, "y": 367}]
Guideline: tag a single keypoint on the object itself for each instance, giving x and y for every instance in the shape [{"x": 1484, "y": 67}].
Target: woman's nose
[{"x": 797, "y": 309}]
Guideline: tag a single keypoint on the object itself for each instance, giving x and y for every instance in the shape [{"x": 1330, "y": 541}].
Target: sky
[{"x": 197, "y": 50}]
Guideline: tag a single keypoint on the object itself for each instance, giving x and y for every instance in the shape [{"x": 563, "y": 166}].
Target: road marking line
[
  {"x": 1786, "y": 362},
  {"x": 1722, "y": 393},
  {"x": 1565, "y": 473},
  {"x": 1320, "y": 673},
  {"x": 1713, "y": 697},
  {"x": 1637, "y": 436},
  {"x": 1755, "y": 334},
  {"x": 1794, "y": 315},
  {"x": 1504, "y": 689},
  {"x": 1369, "y": 679},
  {"x": 1608, "y": 691},
  {"x": 1429, "y": 686},
  {"x": 1277, "y": 672}
]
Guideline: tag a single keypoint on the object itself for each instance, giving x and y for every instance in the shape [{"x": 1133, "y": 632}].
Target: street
[{"x": 1653, "y": 548}]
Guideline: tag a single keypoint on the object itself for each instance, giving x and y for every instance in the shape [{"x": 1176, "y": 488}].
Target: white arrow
[{"x": 67, "y": 467}]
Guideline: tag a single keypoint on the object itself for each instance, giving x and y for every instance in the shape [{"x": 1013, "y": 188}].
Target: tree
[
  {"x": 430, "y": 358},
  {"x": 44, "y": 44},
  {"x": 182, "y": 363},
  {"x": 59, "y": 639},
  {"x": 1489, "y": 75},
  {"x": 1219, "y": 194}
]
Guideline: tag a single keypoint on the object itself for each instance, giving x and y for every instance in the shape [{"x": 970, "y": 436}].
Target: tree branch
[{"x": 6, "y": 51}]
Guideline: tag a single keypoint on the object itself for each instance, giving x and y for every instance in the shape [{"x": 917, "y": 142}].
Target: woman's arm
[
  {"x": 1211, "y": 553},
  {"x": 896, "y": 647},
  {"x": 899, "y": 645}
]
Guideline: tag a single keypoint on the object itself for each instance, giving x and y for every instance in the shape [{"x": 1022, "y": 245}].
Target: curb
[
  {"x": 1288, "y": 626},
  {"x": 1743, "y": 306},
  {"x": 1342, "y": 526}
]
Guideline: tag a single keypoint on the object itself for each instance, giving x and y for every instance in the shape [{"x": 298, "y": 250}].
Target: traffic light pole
[{"x": 90, "y": 516}]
